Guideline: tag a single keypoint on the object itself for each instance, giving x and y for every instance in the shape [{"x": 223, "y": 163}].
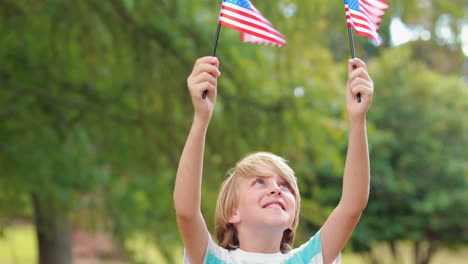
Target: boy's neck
[{"x": 260, "y": 240}]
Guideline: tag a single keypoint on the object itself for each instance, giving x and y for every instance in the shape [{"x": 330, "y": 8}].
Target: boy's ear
[{"x": 235, "y": 218}]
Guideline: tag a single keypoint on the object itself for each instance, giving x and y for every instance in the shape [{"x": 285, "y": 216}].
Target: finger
[
  {"x": 205, "y": 67},
  {"x": 200, "y": 88},
  {"x": 363, "y": 90},
  {"x": 207, "y": 59},
  {"x": 359, "y": 73},
  {"x": 360, "y": 81},
  {"x": 215, "y": 62},
  {"x": 356, "y": 62},
  {"x": 204, "y": 77},
  {"x": 202, "y": 72}
]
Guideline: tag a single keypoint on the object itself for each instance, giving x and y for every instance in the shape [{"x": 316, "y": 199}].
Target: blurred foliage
[
  {"x": 418, "y": 158},
  {"x": 94, "y": 113}
]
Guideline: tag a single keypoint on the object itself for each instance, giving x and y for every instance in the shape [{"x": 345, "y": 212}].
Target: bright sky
[
  {"x": 401, "y": 33},
  {"x": 464, "y": 37}
]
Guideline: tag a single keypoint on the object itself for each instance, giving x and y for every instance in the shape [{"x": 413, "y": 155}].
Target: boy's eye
[
  {"x": 259, "y": 181},
  {"x": 284, "y": 185}
]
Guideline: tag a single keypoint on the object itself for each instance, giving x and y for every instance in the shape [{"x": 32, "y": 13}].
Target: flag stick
[
  {"x": 353, "y": 54},
  {"x": 216, "y": 40},
  {"x": 214, "y": 50}
]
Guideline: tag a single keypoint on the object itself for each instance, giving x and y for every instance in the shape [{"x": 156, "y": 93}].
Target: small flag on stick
[
  {"x": 365, "y": 16},
  {"x": 242, "y": 16}
]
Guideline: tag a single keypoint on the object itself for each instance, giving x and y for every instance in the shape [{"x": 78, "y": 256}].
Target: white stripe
[
  {"x": 236, "y": 15},
  {"x": 263, "y": 32},
  {"x": 378, "y": 4},
  {"x": 262, "y": 17},
  {"x": 359, "y": 19},
  {"x": 254, "y": 13},
  {"x": 372, "y": 8},
  {"x": 374, "y": 18},
  {"x": 375, "y": 11},
  {"x": 254, "y": 39},
  {"x": 371, "y": 18},
  {"x": 367, "y": 22},
  {"x": 358, "y": 28},
  {"x": 364, "y": 30}
]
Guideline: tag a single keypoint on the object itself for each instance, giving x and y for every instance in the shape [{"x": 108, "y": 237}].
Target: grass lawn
[{"x": 18, "y": 246}]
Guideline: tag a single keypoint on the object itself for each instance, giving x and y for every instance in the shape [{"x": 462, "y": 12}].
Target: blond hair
[{"x": 228, "y": 197}]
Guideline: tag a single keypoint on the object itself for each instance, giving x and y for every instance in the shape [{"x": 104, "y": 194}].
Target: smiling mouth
[{"x": 274, "y": 205}]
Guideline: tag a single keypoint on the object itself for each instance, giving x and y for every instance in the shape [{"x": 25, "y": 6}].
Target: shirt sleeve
[
  {"x": 214, "y": 253},
  {"x": 310, "y": 252}
]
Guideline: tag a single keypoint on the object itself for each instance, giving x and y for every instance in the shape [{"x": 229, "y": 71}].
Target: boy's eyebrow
[
  {"x": 281, "y": 178},
  {"x": 262, "y": 175}
]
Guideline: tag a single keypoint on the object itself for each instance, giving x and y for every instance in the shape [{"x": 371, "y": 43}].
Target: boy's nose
[{"x": 276, "y": 190}]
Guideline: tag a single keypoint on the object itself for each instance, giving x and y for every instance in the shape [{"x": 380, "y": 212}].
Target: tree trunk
[
  {"x": 53, "y": 231},
  {"x": 394, "y": 250},
  {"x": 417, "y": 252},
  {"x": 371, "y": 258},
  {"x": 431, "y": 250},
  {"x": 423, "y": 254}
]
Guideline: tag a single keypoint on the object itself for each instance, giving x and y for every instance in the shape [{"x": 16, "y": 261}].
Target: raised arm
[
  {"x": 340, "y": 224},
  {"x": 187, "y": 191}
]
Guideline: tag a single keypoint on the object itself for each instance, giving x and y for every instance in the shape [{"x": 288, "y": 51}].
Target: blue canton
[
  {"x": 353, "y": 4},
  {"x": 242, "y": 3}
]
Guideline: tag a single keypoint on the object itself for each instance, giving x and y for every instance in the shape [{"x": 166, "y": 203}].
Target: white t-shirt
[{"x": 308, "y": 253}]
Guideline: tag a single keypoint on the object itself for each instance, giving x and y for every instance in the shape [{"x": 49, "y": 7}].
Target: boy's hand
[
  {"x": 204, "y": 77},
  {"x": 358, "y": 82}
]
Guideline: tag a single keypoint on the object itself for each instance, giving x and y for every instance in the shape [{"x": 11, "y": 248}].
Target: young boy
[{"x": 258, "y": 205}]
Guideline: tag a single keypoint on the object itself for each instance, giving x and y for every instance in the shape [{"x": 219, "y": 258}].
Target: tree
[
  {"x": 418, "y": 159},
  {"x": 94, "y": 111}
]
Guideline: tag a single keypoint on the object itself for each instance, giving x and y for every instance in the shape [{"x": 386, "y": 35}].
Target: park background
[{"x": 94, "y": 112}]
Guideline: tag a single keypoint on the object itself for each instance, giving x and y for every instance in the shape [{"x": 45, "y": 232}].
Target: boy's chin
[{"x": 282, "y": 224}]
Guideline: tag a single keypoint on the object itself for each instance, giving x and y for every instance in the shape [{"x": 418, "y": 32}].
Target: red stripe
[
  {"x": 381, "y": 1},
  {"x": 363, "y": 33},
  {"x": 244, "y": 36},
  {"x": 252, "y": 33},
  {"x": 356, "y": 25},
  {"x": 369, "y": 12},
  {"x": 369, "y": 24},
  {"x": 242, "y": 13},
  {"x": 376, "y": 7},
  {"x": 363, "y": 26},
  {"x": 371, "y": 16},
  {"x": 357, "y": 16},
  {"x": 258, "y": 15},
  {"x": 260, "y": 27}
]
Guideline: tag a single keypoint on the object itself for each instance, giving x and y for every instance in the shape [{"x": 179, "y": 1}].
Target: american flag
[
  {"x": 365, "y": 16},
  {"x": 242, "y": 16}
]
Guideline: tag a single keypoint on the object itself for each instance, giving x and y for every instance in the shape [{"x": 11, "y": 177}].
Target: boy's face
[{"x": 266, "y": 201}]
